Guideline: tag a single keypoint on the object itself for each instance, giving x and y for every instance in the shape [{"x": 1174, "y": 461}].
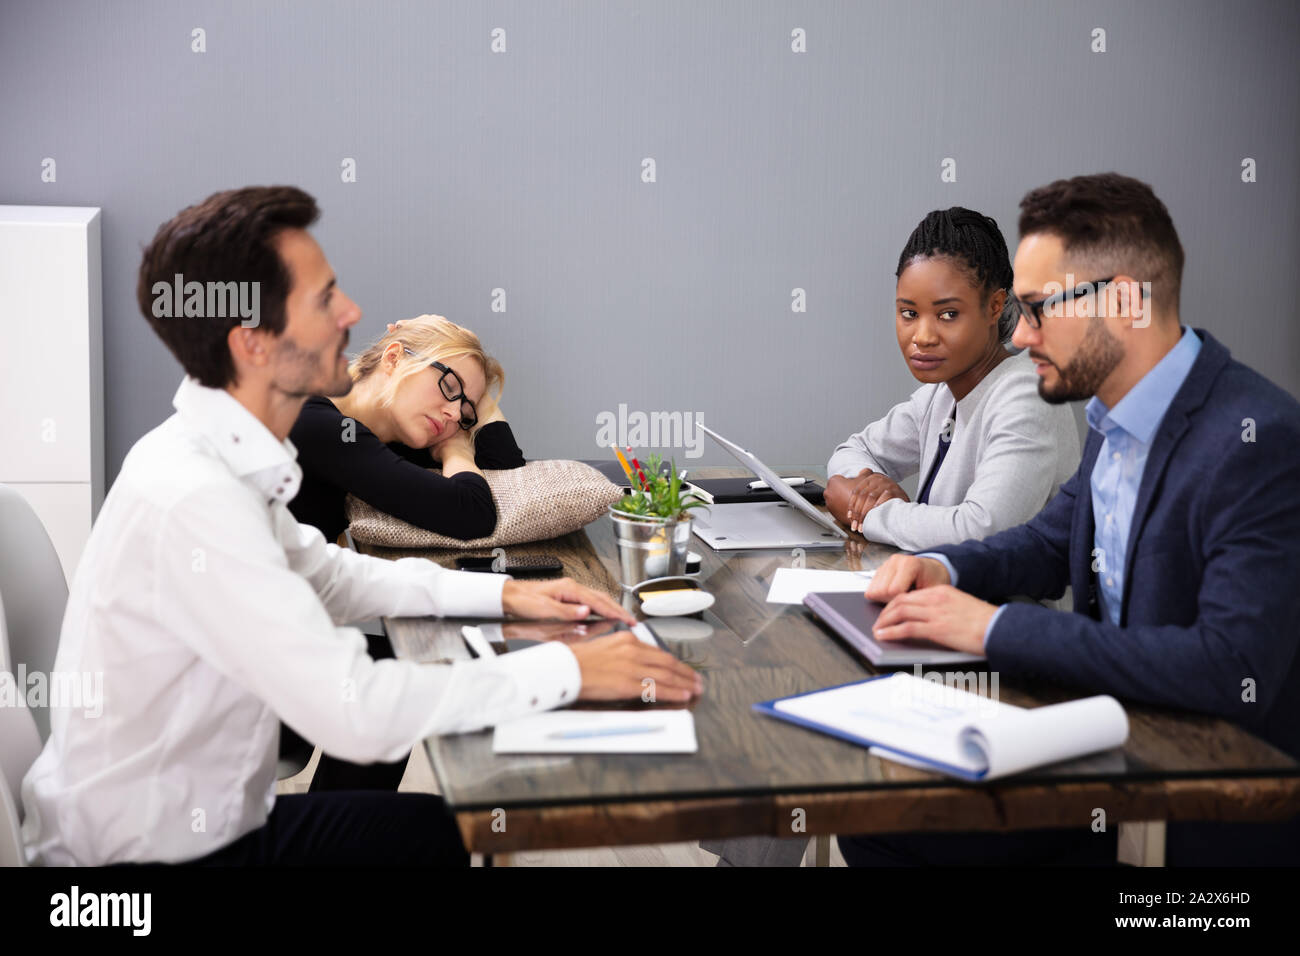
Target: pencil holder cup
[{"x": 649, "y": 547}]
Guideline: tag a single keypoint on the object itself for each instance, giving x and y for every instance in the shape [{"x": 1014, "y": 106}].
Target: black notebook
[{"x": 727, "y": 491}]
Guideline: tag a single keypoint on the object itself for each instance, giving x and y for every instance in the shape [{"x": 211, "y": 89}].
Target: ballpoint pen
[
  {"x": 792, "y": 482},
  {"x": 603, "y": 732},
  {"x": 636, "y": 464}
]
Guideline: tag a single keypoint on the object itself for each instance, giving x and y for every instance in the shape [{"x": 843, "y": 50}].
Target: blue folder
[{"x": 768, "y": 708}]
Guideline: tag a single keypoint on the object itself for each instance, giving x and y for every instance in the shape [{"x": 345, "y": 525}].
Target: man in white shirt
[{"x": 212, "y": 614}]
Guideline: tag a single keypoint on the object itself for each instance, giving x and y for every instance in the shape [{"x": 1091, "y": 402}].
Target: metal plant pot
[{"x": 649, "y": 547}]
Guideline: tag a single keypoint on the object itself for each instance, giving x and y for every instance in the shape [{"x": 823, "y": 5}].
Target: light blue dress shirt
[{"x": 1128, "y": 429}]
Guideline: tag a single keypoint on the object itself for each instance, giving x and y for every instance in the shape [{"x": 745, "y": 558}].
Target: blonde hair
[{"x": 433, "y": 339}]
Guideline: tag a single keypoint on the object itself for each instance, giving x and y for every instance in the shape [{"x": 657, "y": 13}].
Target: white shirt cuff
[
  {"x": 548, "y": 675},
  {"x": 465, "y": 593}
]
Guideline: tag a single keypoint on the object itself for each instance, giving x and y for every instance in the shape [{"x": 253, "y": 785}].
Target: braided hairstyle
[{"x": 974, "y": 241}]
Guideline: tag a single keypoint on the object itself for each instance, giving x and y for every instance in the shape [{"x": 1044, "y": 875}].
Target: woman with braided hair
[{"x": 988, "y": 451}]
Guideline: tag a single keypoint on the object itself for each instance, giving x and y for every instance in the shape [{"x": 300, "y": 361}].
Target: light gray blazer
[{"x": 1010, "y": 452}]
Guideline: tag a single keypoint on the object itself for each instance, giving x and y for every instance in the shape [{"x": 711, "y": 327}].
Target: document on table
[
  {"x": 598, "y": 732},
  {"x": 789, "y": 585},
  {"x": 941, "y": 727}
]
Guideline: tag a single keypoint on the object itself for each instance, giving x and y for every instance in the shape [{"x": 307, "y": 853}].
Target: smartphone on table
[{"x": 520, "y": 566}]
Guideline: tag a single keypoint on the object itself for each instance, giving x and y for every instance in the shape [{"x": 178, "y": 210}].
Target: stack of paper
[{"x": 942, "y": 727}]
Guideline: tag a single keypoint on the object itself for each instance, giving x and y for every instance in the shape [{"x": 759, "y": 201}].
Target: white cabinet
[{"x": 52, "y": 368}]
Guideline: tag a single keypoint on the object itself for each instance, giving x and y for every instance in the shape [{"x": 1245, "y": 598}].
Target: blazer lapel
[
  {"x": 1171, "y": 430},
  {"x": 1191, "y": 396},
  {"x": 1082, "y": 529}
]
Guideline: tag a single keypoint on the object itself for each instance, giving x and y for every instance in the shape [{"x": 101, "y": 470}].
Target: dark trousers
[
  {"x": 1233, "y": 844},
  {"x": 1186, "y": 844},
  {"x": 334, "y": 774},
  {"x": 359, "y": 828},
  {"x": 1077, "y": 846}
]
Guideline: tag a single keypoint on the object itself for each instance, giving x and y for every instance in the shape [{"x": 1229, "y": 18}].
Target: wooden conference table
[{"x": 755, "y": 775}]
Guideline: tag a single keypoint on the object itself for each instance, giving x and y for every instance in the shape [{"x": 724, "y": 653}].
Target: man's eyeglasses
[
  {"x": 453, "y": 388},
  {"x": 1033, "y": 311}
]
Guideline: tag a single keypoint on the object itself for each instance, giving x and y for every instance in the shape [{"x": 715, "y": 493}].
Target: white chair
[
  {"x": 18, "y": 748},
  {"x": 19, "y": 744},
  {"x": 33, "y": 594}
]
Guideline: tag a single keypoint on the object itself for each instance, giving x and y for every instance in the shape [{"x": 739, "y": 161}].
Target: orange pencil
[{"x": 623, "y": 461}]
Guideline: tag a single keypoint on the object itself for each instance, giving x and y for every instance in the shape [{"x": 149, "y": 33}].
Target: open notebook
[{"x": 940, "y": 727}]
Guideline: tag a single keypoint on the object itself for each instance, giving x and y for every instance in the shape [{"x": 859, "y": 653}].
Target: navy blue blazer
[{"x": 1210, "y": 618}]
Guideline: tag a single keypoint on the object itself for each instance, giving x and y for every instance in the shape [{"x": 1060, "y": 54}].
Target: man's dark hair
[
  {"x": 229, "y": 237},
  {"x": 1113, "y": 223},
  {"x": 974, "y": 241}
]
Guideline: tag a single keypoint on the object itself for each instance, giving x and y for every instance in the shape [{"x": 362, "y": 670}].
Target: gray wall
[{"x": 775, "y": 170}]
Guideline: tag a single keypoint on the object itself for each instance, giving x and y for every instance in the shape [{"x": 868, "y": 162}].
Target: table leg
[
  {"x": 1142, "y": 844},
  {"x": 820, "y": 850}
]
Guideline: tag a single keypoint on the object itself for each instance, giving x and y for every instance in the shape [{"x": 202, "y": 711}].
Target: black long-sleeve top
[{"x": 392, "y": 477}]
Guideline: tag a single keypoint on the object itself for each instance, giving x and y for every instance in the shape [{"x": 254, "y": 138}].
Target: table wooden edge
[{"x": 888, "y": 810}]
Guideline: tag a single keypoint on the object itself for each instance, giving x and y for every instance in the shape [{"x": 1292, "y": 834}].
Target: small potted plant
[{"x": 652, "y": 525}]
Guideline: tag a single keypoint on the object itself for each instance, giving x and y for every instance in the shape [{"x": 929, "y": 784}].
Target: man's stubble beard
[
  {"x": 1098, "y": 355},
  {"x": 301, "y": 375}
]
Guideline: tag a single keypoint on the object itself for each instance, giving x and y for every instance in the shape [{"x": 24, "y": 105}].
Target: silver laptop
[{"x": 789, "y": 523}]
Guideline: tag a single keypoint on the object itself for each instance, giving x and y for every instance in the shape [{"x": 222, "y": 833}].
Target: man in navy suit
[{"x": 1179, "y": 534}]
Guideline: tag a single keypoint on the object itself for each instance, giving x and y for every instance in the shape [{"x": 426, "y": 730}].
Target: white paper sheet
[
  {"x": 541, "y": 733},
  {"x": 789, "y": 585},
  {"x": 1043, "y": 735}
]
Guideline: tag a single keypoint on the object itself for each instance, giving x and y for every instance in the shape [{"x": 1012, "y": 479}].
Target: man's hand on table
[
  {"x": 615, "y": 668},
  {"x": 922, "y": 603},
  {"x": 612, "y": 667},
  {"x": 905, "y": 572},
  {"x": 561, "y": 598}
]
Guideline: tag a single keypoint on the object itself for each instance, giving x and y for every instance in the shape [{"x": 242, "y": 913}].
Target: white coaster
[{"x": 676, "y": 603}]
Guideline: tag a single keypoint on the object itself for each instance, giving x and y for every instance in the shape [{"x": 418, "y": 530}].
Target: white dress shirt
[{"x": 213, "y": 615}]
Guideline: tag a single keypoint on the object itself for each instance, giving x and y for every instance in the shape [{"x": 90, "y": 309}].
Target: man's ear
[
  {"x": 1124, "y": 301},
  {"x": 248, "y": 346}
]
